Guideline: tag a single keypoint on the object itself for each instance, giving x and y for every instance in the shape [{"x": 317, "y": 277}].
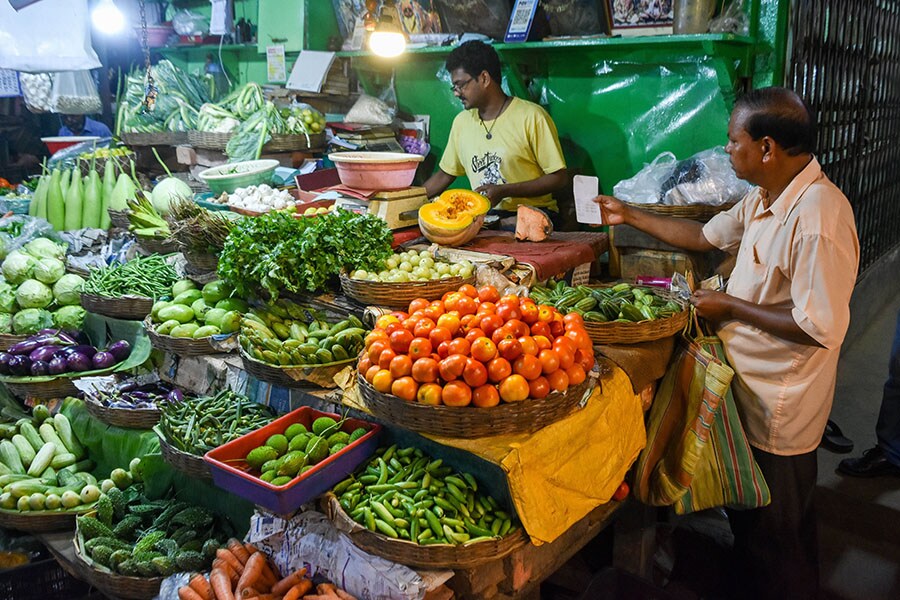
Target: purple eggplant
[
  {"x": 103, "y": 360},
  {"x": 24, "y": 348},
  {"x": 120, "y": 350},
  {"x": 68, "y": 339},
  {"x": 58, "y": 365},
  {"x": 20, "y": 365},
  {"x": 4, "y": 362},
  {"x": 175, "y": 395},
  {"x": 127, "y": 386},
  {"x": 39, "y": 367},
  {"x": 85, "y": 349},
  {"x": 44, "y": 353},
  {"x": 77, "y": 361}
]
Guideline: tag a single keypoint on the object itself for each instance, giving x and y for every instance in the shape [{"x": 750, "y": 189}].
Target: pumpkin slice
[{"x": 454, "y": 218}]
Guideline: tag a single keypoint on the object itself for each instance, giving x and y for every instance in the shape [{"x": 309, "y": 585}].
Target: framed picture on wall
[
  {"x": 641, "y": 17},
  {"x": 419, "y": 17}
]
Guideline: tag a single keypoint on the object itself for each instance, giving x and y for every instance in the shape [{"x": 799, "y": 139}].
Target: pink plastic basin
[{"x": 381, "y": 171}]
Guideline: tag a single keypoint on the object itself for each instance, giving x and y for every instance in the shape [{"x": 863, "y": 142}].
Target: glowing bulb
[
  {"x": 387, "y": 43},
  {"x": 107, "y": 18}
]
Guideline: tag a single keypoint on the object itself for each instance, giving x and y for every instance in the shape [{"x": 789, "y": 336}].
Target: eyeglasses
[{"x": 458, "y": 87}]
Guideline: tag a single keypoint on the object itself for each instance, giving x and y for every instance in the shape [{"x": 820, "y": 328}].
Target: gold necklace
[{"x": 487, "y": 132}]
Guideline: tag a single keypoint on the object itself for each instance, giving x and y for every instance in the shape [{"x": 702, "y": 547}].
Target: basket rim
[
  {"x": 99, "y": 574},
  {"x": 171, "y": 344},
  {"x": 118, "y": 416}
]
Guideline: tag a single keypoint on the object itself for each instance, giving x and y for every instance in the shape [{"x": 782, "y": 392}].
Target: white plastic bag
[
  {"x": 369, "y": 110},
  {"x": 51, "y": 35},
  {"x": 186, "y": 22},
  {"x": 644, "y": 187},
  {"x": 74, "y": 93},
  {"x": 37, "y": 91}
]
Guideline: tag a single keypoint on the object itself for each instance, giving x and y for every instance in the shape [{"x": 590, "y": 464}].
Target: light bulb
[
  {"x": 107, "y": 17},
  {"x": 387, "y": 43}
]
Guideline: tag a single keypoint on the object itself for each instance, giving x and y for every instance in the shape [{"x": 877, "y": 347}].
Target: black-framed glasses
[{"x": 458, "y": 87}]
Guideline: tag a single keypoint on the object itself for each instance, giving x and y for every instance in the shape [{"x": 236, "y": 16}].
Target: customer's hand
[
  {"x": 614, "y": 211},
  {"x": 492, "y": 192},
  {"x": 713, "y": 305}
]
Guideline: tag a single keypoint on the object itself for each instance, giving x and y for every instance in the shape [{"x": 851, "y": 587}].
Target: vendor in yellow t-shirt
[{"x": 508, "y": 147}]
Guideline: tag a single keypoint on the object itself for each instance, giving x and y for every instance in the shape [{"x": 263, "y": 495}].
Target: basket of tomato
[{"x": 476, "y": 364}]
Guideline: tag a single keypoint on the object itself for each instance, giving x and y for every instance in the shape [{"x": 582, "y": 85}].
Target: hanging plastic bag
[
  {"x": 644, "y": 187},
  {"x": 37, "y": 91},
  {"x": 732, "y": 20},
  {"x": 63, "y": 28},
  {"x": 186, "y": 22},
  {"x": 74, "y": 93}
]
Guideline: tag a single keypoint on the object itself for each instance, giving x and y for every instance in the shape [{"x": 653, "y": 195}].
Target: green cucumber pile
[
  {"x": 404, "y": 494},
  {"x": 620, "y": 303}
]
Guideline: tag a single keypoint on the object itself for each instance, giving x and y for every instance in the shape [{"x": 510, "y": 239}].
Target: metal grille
[{"x": 846, "y": 65}]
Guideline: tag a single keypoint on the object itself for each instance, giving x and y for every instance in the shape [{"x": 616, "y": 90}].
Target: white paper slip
[
  {"x": 586, "y": 188},
  {"x": 275, "y": 65},
  {"x": 310, "y": 70}
]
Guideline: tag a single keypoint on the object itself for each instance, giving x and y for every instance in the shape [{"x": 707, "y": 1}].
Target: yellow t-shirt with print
[{"x": 524, "y": 145}]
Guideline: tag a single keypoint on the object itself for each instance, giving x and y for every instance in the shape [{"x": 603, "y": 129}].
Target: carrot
[
  {"x": 185, "y": 592},
  {"x": 221, "y": 584},
  {"x": 224, "y": 566},
  {"x": 264, "y": 597},
  {"x": 288, "y": 582},
  {"x": 249, "y": 592},
  {"x": 200, "y": 585},
  {"x": 270, "y": 571},
  {"x": 226, "y": 555},
  {"x": 252, "y": 571},
  {"x": 327, "y": 590},
  {"x": 344, "y": 595},
  {"x": 298, "y": 590},
  {"x": 250, "y": 548},
  {"x": 237, "y": 548}
]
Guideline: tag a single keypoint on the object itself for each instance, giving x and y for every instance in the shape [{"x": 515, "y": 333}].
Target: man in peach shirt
[{"x": 782, "y": 320}]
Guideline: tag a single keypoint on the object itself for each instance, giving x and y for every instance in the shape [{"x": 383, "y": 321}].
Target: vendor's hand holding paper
[
  {"x": 612, "y": 209},
  {"x": 712, "y": 305}
]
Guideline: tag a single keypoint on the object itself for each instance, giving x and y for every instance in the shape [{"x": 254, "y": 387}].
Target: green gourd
[
  {"x": 74, "y": 203},
  {"x": 39, "y": 197},
  {"x": 123, "y": 191},
  {"x": 56, "y": 203},
  {"x": 109, "y": 184},
  {"x": 93, "y": 201},
  {"x": 64, "y": 182}
]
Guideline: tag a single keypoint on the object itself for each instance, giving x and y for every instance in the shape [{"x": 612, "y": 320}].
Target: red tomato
[
  {"x": 467, "y": 306},
  {"x": 528, "y": 366},
  {"x": 401, "y": 366},
  {"x": 394, "y": 327},
  {"x": 424, "y": 327},
  {"x": 370, "y": 374},
  {"x": 509, "y": 311},
  {"x": 538, "y": 388},
  {"x": 529, "y": 311},
  {"x": 425, "y": 370},
  {"x": 383, "y": 381},
  {"x": 529, "y": 346},
  {"x": 510, "y": 349},
  {"x": 449, "y": 322},
  {"x": 485, "y": 396},
  {"x": 491, "y": 323},
  {"x": 519, "y": 328},
  {"x": 451, "y": 300},
  {"x": 364, "y": 363},
  {"x": 376, "y": 348},
  {"x": 429, "y": 393},
  {"x": 474, "y": 334},
  {"x": 420, "y": 347},
  {"x": 621, "y": 492},
  {"x": 557, "y": 327},
  {"x": 469, "y": 290},
  {"x": 549, "y": 361},
  {"x": 383, "y": 321},
  {"x": 576, "y": 374},
  {"x": 573, "y": 318},
  {"x": 545, "y": 313},
  {"x": 488, "y": 293},
  {"x": 460, "y": 346},
  {"x": 405, "y": 388},
  {"x": 581, "y": 339},
  {"x": 566, "y": 357},
  {"x": 418, "y": 304},
  {"x": 514, "y": 389},
  {"x": 452, "y": 367},
  {"x": 456, "y": 393},
  {"x": 487, "y": 308},
  {"x": 541, "y": 328},
  {"x": 483, "y": 349},
  {"x": 374, "y": 336},
  {"x": 504, "y": 333},
  {"x": 499, "y": 369},
  {"x": 400, "y": 341},
  {"x": 475, "y": 374},
  {"x": 384, "y": 359},
  {"x": 543, "y": 343},
  {"x": 443, "y": 349},
  {"x": 559, "y": 381},
  {"x": 439, "y": 335}
]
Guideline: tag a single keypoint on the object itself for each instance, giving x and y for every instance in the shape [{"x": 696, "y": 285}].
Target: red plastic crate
[{"x": 230, "y": 472}]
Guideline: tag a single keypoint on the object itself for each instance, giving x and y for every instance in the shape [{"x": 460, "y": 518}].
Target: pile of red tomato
[{"x": 474, "y": 347}]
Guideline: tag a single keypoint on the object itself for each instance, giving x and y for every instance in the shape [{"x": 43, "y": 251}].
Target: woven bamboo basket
[
  {"x": 612, "y": 332},
  {"x": 319, "y": 375},
  {"x": 697, "y": 212},
  {"x": 8, "y": 339},
  {"x": 159, "y": 138},
  {"x": 40, "y": 521},
  {"x": 398, "y": 295},
  {"x": 118, "y": 218},
  {"x": 288, "y": 143},
  {"x": 129, "y": 418},
  {"x": 208, "y": 139},
  {"x": 437, "y": 556},
  {"x": 61, "y": 387},
  {"x": 178, "y": 346},
  {"x": 190, "y": 464},
  {"x": 111, "y": 584},
  {"x": 156, "y": 245},
  {"x": 200, "y": 262},
  {"x": 132, "y": 308},
  {"x": 472, "y": 422}
]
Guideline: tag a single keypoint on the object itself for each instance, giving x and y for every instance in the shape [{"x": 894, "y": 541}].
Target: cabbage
[
  {"x": 31, "y": 320},
  {"x": 168, "y": 190},
  {"x": 7, "y": 298},
  {"x": 44, "y": 248},
  {"x": 18, "y": 267},
  {"x": 34, "y": 294},
  {"x": 69, "y": 317},
  {"x": 49, "y": 270},
  {"x": 5, "y": 241},
  {"x": 68, "y": 289},
  {"x": 6, "y": 323}
]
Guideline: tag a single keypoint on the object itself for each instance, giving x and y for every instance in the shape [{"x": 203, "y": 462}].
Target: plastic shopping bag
[
  {"x": 63, "y": 28},
  {"x": 74, "y": 93}
]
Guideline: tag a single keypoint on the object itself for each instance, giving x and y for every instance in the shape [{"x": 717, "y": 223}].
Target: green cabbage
[
  {"x": 68, "y": 289},
  {"x": 6, "y": 323},
  {"x": 18, "y": 267},
  {"x": 31, "y": 320},
  {"x": 7, "y": 298},
  {"x": 69, "y": 317},
  {"x": 34, "y": 294},
  {"x": 44, "y": 248},
  {"x": 49, "y": 270}
]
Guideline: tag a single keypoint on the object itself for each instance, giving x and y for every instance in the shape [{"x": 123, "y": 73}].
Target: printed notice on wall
[{"x": 275, "y": 64}]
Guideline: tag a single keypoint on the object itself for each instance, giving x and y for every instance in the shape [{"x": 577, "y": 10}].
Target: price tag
[{"x": 520, "y": 21}]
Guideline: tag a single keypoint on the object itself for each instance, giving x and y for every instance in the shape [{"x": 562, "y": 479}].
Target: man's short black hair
[
  {"x": 782, "y": 115},
  {"x": 473, "y": 58}
]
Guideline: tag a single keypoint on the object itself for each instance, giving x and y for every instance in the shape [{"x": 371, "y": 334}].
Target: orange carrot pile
[{"x": 242, "y": 572}]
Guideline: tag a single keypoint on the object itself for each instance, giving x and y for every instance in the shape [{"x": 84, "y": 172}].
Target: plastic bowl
[
  {"x": 227, "y": 178},
  {"x": 55, "y": 144},
  {"x": 381, "y": 171}
]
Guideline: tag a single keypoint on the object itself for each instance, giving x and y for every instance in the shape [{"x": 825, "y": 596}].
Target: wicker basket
[
  {"x": 40, "y": 521},
  {"x": 437, "y": 556},
  {"x": 189, "y": 464},
  {"x": 118, "y": 218},
  {"x": 111, "y": 584},
  {"x": 41, "y": 580},
  {"x": 133, "y": 308},
  {"x": 61, "y": 387},
  {"x": 398, "y": 295},
  {"x": 157, "y": 245},
  {"x": 178, "y": 346},
  {"x": 697, "y": 212},
  {"x": 208, "y": 139},
  {"x": 294, "y": 377},
  {"x": 129, "y": 418},
  {"x": 472, "y": 422},
  {"x": 289, "y": 143},
  {"x": 159, "y": 138},
  {"x": 8, "y": 339},
  {"x": 617, "y": 332},
  {"x": 200, "y": 262}
]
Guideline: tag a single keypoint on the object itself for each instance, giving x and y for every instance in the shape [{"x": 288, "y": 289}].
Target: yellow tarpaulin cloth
[{"x": 559, "y": 474}]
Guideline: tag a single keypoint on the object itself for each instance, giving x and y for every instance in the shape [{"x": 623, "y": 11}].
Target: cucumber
[
  {"x": 63, "y": 460},
  {"x": 64, "y": 431},
  {"x": 40, "y": 413},
  {"x": 4, "y": 470},
  {"x": 31, "y": 434},
  {"x": 10, "y": 457},
  {"x": 42, "y": 459},
  {"x": 48, "y": 434},
  {"x": 26, "y": 452}
]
